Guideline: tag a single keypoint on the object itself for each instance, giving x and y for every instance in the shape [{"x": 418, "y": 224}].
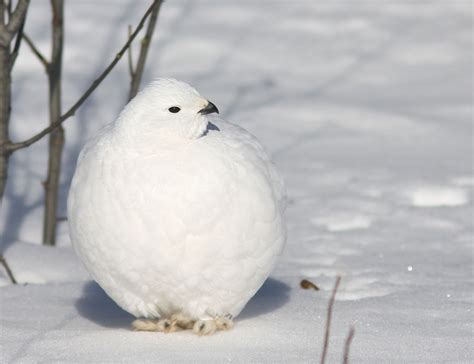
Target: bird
[{"x": 177, "y": 214}]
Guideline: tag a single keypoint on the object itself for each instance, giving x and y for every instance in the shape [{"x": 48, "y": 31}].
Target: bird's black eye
[{"x": 174, "y": 109}]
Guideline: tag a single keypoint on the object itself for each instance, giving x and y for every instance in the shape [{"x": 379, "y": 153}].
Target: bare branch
[
  {"x": 36, "y": 51},
  {"x": 56, "y": 137},
  {"x": 3, "y": 262},
  {"x": 16, "y": 48},
  {"x": 130, "y": 55},
  {"x": 3, "y": 28},
  {"x": 7, "y": 33},
  {"x": 17, "y": 17},
  {"x": 328, "y": 320},
  {"x": 20, "y": 145},
  {"x": 145, "y": 44},
  {"x": 347, "y": 345}
]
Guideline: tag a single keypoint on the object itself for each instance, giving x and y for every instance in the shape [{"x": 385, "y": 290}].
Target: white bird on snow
[{"x": 179, "y": 219}]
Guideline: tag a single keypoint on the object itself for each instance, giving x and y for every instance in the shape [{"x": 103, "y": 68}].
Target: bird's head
[{"x": 168, "y": 107}]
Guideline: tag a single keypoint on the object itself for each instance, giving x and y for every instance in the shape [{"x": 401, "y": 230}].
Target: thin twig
[
  {"x": 130, "y": 55},
  {"x": 19, "y": 145},
  {"x": 328, "y": 320},
  {"x": 137, "y": 73},
  {"x": 3, "y": 262},
  {"x": 36, "y": 51},
  {"x": 347, "y": 345}
]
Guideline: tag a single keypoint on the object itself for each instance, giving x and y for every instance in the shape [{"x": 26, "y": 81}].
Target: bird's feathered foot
[
  {"x": 204, "y": 327},
  {"x": 209, "y": 327},
  {"x": 161, "y": 325},
  {"x": 179, "y": 322},
  {"x": 224, "y": 322},
  {"x": 182, "y": 321},
  {"x": 145, "y": 325}
]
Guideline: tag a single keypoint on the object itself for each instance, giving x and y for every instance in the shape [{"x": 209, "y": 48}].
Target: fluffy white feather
[{"x": 172, "y": 214}]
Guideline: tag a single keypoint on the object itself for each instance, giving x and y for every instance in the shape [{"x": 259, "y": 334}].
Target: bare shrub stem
[
  {"x": 137, "y": 72},
  {"x": 11, "y": 147},
  {"x": 347, "y": 345},
  {"x": 8, "y": 30},
  {"x": 328, "y": 320},
  {"x": 56, "y": 137}
]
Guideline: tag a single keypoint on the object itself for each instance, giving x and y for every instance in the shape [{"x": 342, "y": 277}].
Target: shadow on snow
[{"x": 96, "y": 306}]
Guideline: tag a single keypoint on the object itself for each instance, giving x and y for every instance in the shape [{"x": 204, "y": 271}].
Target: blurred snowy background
[{"x": 366, "y": 108}]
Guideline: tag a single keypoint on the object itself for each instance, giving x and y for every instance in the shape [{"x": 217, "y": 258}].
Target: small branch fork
[
  {"x": 16, "y": 47},
  {"x": 15, "y": 21},
  {"x": 136, "y": 73},
  {"x": 12, "y": 147},
  {"x": 36, "y": 51}
]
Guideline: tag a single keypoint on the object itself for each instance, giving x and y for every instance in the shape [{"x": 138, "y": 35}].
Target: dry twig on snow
[
  {"x": 3, "y": 262},
  {"x": 327, "y": 331},
  {"x": 347, "y": 345}
]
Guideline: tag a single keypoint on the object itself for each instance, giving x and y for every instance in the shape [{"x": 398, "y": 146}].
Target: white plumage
[{"x": 172, "y": 213}]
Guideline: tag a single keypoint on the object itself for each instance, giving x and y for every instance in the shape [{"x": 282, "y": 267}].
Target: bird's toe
[
  {"x": 204, "y": 327},
  {"x": 166, "y": 326},
  {"x": 224, "y": 322},
  {"x": 182, "y": 321},
  {"x": 145, "y": 325}
]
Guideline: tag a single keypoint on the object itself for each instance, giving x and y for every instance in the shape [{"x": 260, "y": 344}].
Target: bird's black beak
[{"x": 209, "y": 109}]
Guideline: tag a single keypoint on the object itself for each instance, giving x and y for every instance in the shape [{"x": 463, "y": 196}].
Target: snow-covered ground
[{"x": 366, "y": 107}]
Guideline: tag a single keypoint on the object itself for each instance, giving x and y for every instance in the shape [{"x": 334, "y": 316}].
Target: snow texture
[{"x": 366, "y": 108}]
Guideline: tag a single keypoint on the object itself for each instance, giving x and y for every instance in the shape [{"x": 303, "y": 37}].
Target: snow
[{"x": 366, "y": 108}]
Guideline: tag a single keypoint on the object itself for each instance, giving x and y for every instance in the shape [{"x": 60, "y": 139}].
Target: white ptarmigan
[{"x": 179, "y": 218}]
